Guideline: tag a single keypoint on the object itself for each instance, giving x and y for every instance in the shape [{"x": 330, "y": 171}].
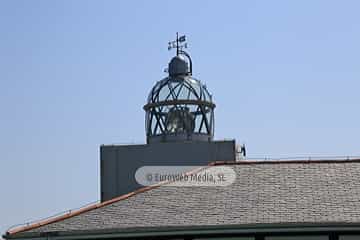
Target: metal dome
[
  {"x": 179, "y": 107},
  {"x": 178, "y": 66}
]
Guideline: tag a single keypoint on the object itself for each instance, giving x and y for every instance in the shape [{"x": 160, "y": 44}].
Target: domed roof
[
  {"x": 179, "y": 88},
  {"x": 178, "y": 66}
]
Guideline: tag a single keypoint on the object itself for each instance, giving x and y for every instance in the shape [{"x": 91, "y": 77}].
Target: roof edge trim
[
  {"x": 197, "y": 230},
  {"x": 245, "y": 162}
]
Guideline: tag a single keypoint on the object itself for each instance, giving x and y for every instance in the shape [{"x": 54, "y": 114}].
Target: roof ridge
[{"x": 272, "y": 161}]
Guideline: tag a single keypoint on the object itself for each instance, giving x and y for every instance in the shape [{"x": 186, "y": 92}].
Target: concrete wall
[{"x": 118, "y": 163}]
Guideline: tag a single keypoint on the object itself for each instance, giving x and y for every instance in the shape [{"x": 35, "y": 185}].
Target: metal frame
[{"x": 177, "y": 93}]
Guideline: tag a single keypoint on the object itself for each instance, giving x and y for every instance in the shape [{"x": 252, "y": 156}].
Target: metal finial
[{"x": 179, "y": 43}]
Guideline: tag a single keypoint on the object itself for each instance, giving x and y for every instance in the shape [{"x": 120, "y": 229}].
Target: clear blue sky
[{"x": 75, "y": 74}]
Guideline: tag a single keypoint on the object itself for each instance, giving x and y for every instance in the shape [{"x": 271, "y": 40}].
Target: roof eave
[{"x": 247, "y": 229}]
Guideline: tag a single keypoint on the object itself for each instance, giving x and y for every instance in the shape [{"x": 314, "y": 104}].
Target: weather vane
[{"x": 179, "y": 43}]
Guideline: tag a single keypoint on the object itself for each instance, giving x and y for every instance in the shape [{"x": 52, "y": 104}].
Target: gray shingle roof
[{"x": 299, "y": 192}]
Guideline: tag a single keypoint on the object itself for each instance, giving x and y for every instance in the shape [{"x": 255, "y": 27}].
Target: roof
[{"x": 267, "y": 192}]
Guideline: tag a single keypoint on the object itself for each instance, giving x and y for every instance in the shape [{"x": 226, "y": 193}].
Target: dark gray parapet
[{"x": 118, "y": 163}]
